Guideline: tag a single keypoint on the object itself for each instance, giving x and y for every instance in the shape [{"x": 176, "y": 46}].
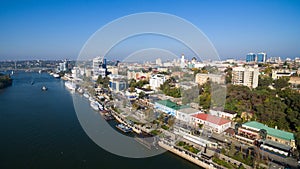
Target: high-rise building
[
  {"x": 250, "y": 57},
  {"x": 158, "y": 62},
  {"x": 261, "y": 57},
  {"x": 182, "y": 61},
  {"x": 99, "y": 67},
  {"x": 246, "y": 76}
]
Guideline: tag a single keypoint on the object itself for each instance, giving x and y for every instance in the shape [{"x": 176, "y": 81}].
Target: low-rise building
[
  {"x": 215, "y": 123},
  {"x": 118, "y": 83},
  {"x": 224, "y": 114},
  {"x": 250, "y": 132},
  {"x": 276, "y": 74},
  {"x": 156, "y": 80},
  {"x": 185, "y": 114},
  {"x": 180, "y": 112}
]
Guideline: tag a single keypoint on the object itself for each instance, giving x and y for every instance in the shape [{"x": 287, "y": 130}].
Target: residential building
[
  {"x": 215, "y": 123},
  {"x": 138, "y": 75},
  {"x": 99, "y": 67},
  {"x": 156, "y": 80},
  {"x": 230, "y": 115},
  {"x": 246, "y": 76},
  {"x": 202, "y": 78}
]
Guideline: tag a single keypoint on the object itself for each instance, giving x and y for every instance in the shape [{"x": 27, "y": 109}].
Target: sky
[{"x": 58, "y": 29}]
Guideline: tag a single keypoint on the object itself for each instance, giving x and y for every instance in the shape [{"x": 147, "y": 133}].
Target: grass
[
  {"x": 165, "y": 127},
  {"x": 222, "y": 163},
  {"x": 155, "y": 132},
  {"x": 190, "y": 148}
]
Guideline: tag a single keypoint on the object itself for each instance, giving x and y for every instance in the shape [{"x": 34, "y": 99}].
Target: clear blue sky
[{"x": 54, "y": 29}]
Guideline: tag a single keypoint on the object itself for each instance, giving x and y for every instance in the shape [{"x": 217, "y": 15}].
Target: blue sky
[{"x": 57, "y": 29}]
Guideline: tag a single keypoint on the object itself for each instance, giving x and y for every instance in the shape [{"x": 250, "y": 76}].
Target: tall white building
[
  {"x": 156, "y": 80},
  {"x": 158, "y": 62},
  {"x": 182, "y": 61},
  {"x": 99, "y": 67},
  {"x": 246, "y": 76}
]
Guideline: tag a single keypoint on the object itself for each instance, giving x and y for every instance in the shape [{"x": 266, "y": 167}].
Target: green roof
[
  {"x": 171, "y": 104},
  {"x": 271, "y": 131}
]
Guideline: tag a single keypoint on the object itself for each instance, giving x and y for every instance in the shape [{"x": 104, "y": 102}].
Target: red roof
[{"x": 212, "y": 119}]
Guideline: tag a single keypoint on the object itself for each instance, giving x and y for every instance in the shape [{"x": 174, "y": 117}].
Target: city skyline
[{"x": 59, "y": 29}]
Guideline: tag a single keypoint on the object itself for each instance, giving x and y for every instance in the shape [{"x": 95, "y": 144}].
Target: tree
[
  {"x": 228, "y": 77},
  {"x": 281, "y": 82},
  {"x": 142, "y": 95},
  {"x": 264, "y": 81}
]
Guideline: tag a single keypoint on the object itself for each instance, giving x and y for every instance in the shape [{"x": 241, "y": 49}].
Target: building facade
[
  {"x": 216, "y": 124},
  {"x": 246, "y": 76},
  {"x": 202, "y": 78},
  {"x": 250, "y": 57},
  {"x": 261, "y": 57},
  {"x": 250, "y": 131},
  {"x": 99, "y": 67},
  {"x": 156, "y": 80}
]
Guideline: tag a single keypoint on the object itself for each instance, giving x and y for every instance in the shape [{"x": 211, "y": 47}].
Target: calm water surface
[{"x": 40, "y": 130}]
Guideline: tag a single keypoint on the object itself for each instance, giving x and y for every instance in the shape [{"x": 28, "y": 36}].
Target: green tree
[
  {"x": 264, "y": 81},
  {"x": 281, "y": 82}
]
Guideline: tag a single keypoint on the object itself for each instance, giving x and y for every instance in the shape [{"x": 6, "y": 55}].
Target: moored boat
[
  {"x": 70, "y": 85},
  {"x": 124, "y": 128},
  {"x": 86, "y": 95},
  {"x": 94, "y": 105},
  {"x": 56, "y": 75}
]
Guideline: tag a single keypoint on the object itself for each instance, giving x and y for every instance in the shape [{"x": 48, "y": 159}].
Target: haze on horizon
[{"x": 52, "y": 29}]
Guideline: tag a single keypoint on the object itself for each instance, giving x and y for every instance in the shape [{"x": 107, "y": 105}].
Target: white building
[
  {"x": 216, "y": 124},
  {"x": 180, "y": 112},
  {"x": 246, "y": 76},
  {"x": 276, "y": 74},
  {"x": 182, "y": 61},
  {"x": 99, "y": 67},
  {"x": 185, "y": 114},
  {"x": 156, "y": 80},
  {"x": 224, "y": 114},
  {"x": 158, "y": 62}
]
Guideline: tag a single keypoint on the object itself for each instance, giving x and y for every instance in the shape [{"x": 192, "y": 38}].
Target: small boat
[
  {"x": 70, "y": 85},
  {"x": 56, "y": 75},
  {"x": 94, "y": 105},
  {"x": 124, "y": 128},
  {"x": 44, "y": 88},
  {"x": 86, "y": 95},
  {"x": 80, "y": 90}
]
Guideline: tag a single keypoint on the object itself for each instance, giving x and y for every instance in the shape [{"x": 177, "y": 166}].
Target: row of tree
[{"x": 278, "y": 106}]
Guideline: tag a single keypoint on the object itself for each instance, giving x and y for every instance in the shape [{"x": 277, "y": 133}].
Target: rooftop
[
  {"x": 212, "y": 119},
  {"x": 172, "y": 105},
  {"x": 189, "y": 110},
  {"x": 271, "y": 131}
]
